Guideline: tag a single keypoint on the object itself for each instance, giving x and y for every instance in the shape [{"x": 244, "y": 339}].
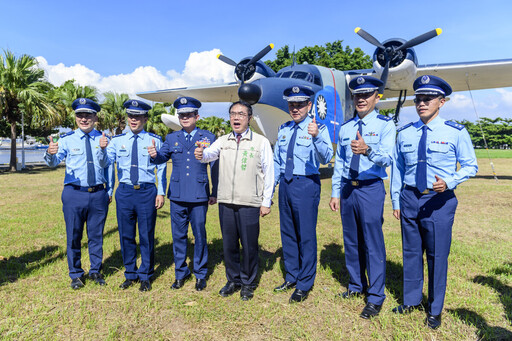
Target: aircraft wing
[{"x": 227, "y": 92}]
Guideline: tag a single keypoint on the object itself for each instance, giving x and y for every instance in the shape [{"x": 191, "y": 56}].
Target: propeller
[
  {"x": 391, "y": 52},
  {"x": 245, "y": 69}
]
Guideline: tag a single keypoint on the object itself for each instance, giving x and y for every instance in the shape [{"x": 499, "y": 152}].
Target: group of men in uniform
[{"x": 423, "y": 157}]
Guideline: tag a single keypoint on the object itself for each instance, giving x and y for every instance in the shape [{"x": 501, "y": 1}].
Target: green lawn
[
  {"x": 494, "y": 153},
  {"x": 36, "y": 302}
]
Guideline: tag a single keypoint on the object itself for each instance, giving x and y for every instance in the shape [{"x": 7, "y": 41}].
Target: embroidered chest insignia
[{"x": 204, "y": 142}]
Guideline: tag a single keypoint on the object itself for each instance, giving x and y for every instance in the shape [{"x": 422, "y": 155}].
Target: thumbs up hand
[
  {"x": 53, "y": 147},
  {"x": 440, "y": 185},
  {"x": 103, "y": 141},
  {"x": 152, "y": 149},
  {"x": 313, "y": 128},
  {"x": 198, "y": 152},
  {"x": 358, "y": 146}
]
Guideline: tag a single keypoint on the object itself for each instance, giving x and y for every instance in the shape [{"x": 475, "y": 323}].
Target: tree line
[{"x": 497, "y": 132}]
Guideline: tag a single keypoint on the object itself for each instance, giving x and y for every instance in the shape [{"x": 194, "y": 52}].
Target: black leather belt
[
  {"x": 138, "y": 186},
  {"x": 91, "y": 189},
  {"x": 359, "y": 183},
  {"x": 426, "y": 191}
]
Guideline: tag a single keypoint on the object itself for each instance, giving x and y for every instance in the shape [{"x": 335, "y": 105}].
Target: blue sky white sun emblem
[{"x": 321, "y": 107}]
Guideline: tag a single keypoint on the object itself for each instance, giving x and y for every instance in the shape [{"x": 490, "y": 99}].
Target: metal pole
[{"x": 22, "y": 141}]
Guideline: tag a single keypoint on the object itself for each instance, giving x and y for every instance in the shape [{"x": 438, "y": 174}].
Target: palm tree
[
  {"x": 66, "y": 94},
  {"x": 113, "y": 114},
  {"x": 24, "y": 92},
  {"x": 215, "y": 125},
  {"x": 155, "y": 124}
]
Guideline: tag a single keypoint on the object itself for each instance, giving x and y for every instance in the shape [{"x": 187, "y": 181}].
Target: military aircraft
[{"x": 394, "y": 62}]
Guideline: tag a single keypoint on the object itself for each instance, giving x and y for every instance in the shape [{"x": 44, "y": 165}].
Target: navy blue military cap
[
  {"x": 364, "y": 84},
  {"x": 298, "y": 93},
  {"x": 136, "y": 107},
  {"x": 431, "y": 85},
  {"x": 186, "y": 104},
  {"x": 85, "y": 105}
]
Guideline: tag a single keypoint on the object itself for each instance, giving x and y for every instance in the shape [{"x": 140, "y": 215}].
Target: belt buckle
[
  {"x": 136, "y": 186},
  {"x": 426, "y": 191},
  {"x": 354, "y": 183},
  {"x": 90, "y": 189}
]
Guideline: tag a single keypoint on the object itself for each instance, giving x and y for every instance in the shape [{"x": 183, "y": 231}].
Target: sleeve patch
[{"x": 454, "y": 125}]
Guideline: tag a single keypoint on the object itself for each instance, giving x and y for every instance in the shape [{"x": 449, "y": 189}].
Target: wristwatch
[{"x": 368, "y": 151}]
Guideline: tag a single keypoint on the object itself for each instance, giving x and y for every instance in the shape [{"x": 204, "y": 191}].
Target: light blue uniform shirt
[
  {"x": 447, "y": 143},
  {"x": 309, "y": 152},
  {"x": 378, "y": 133},
  {"x": 120, "y": 150},
  {"x": 72, "y": 148}
]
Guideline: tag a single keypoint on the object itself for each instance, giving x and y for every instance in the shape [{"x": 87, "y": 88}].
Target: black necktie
[
  {"x": 134, "y": 170},
  {"x": 421, "y": 169},
  {"x": 288, "y": 169},
  {"x": 354, "y": 163},
  {"x": 91, "y": 173}
]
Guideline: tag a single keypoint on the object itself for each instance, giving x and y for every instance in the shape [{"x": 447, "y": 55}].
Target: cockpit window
[
  {"x": 302, "y": 75},
  {"x": 286, "y": 74},
  {"x": 307, "y": 76}
]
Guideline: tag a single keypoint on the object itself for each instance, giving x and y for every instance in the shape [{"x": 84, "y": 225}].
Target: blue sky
[{"x": 133, "y": 46}]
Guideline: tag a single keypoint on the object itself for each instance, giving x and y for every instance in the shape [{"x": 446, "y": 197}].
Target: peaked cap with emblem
[
  {"x": 85, "y": 105},
  {"x": 364, "y": 84},
  {"x": 136, "y": 107},
  {"x": 431, "y": 85},
  {"x": 186, "y": 104},
  {"x": 298, "y": 93}
]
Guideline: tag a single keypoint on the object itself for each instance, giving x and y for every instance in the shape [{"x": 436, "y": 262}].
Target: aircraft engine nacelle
[
  {"x": 402, "y": 68},
  {"x": 255, "y": 71}
]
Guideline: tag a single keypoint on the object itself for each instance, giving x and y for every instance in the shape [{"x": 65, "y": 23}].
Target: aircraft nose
[{"x": 249, "y": 93}]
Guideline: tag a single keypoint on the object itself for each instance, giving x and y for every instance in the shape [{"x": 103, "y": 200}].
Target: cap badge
[
  {"x": 360, "y": 80},
  {"x": 135, "y": 104},
  {"x": 425, "y": 79},
  {"x": 183, "y": 101},
  {"x": 82, "y": 101},
  {"x": 295, "y": 89}
]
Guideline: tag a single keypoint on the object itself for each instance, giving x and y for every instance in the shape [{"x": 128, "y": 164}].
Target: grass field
[{"x": 36, "y": 302}]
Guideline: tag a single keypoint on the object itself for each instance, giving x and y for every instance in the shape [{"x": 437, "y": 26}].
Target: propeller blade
[
  {"x": 384, "y": 76},
  {"x": 368, "y": 37},
  {"x": 261, "y": 54},
  {"x": 226, "y": 60},
  {"x": 421, "y": 39}
]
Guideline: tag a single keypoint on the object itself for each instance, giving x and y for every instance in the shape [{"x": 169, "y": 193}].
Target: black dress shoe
[
  {"x": 370, "y": 310},
  {"x": 98, "y": 278},
  {"x": 179, "y": 283},
  {"x": 407, "y": 309},
  {"x": 229, "y": 289},
  {"x": 128, "y": 283},
  {"x": 200, "y": 284},
  {"x": 246, "y": 293},
  {"x": 77, "y": 283},
  {"x": 433, "y": 321},
  {"x": 350, "y": 294},
  {"x": 285, "y": 286},
  {"x": 299, "y": 296},
  {"x": 145, "y": 286}
]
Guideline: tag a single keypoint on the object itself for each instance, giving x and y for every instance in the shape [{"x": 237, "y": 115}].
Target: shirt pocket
[
  {"x": 371, "y": 140},
  {"x": 303, "y": 148},
  {"x": 438, "y": 152},
  {"x": 410, "y": 153}
]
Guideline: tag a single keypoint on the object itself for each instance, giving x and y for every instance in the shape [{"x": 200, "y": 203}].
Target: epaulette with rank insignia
[
  {"x": 454, "y": 125},
  {"x": 404, "y": 127},
  {"x": 118, "y": 135},
  {"x": 346, "y": 122},
  {"x": 385, "y": 118},
  {"x": 286, "y": 124},
  {"x": 155, "y": 135},
  {"x": 67, "y": 134}
]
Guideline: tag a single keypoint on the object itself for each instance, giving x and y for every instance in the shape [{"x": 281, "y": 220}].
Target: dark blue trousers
[
  {"x": 183, "y": 213},
  {"x": 79, "y": 208},
  {"x": 240, "y": 225},
  {"x": 137, "y": 206},
  {"x": 365, "y": 252},
  {"x": 298, "y": 212},
  {"x": 427, "y": 221}
]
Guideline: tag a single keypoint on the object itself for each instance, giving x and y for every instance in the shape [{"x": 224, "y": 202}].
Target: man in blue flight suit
[
  {"x": 189, "y": 190},
  {"x": 365, "y": 148},
  {"x": 137, "y": 197},
  {"x": 423, "y": 178},
  {"x": 302, "y": 145},
  {"x": 87, "y": 189}
]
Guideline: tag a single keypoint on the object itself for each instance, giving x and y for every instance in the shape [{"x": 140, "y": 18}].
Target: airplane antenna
[
  {"x": 294, "y": 57},
  {"x": 481, "y": 130}
]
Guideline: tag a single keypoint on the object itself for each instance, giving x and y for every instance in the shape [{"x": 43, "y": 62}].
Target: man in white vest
[{"x": 246, "y": 179}]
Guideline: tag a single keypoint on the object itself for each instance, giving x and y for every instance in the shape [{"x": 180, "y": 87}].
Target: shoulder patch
[
  {"x": 155, "y": 135},
  {"x": 454, "y": 125},
  {"x": 384, "y": 118},
  {"x": 404, "y": 127},
  {"x": 346, "y": 122},
  {"x": 67, "y": 134},
  {"x": 118, "y": 135}
]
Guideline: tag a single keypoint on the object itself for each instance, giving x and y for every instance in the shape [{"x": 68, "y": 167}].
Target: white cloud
[{"x": 200, "y": 68}]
